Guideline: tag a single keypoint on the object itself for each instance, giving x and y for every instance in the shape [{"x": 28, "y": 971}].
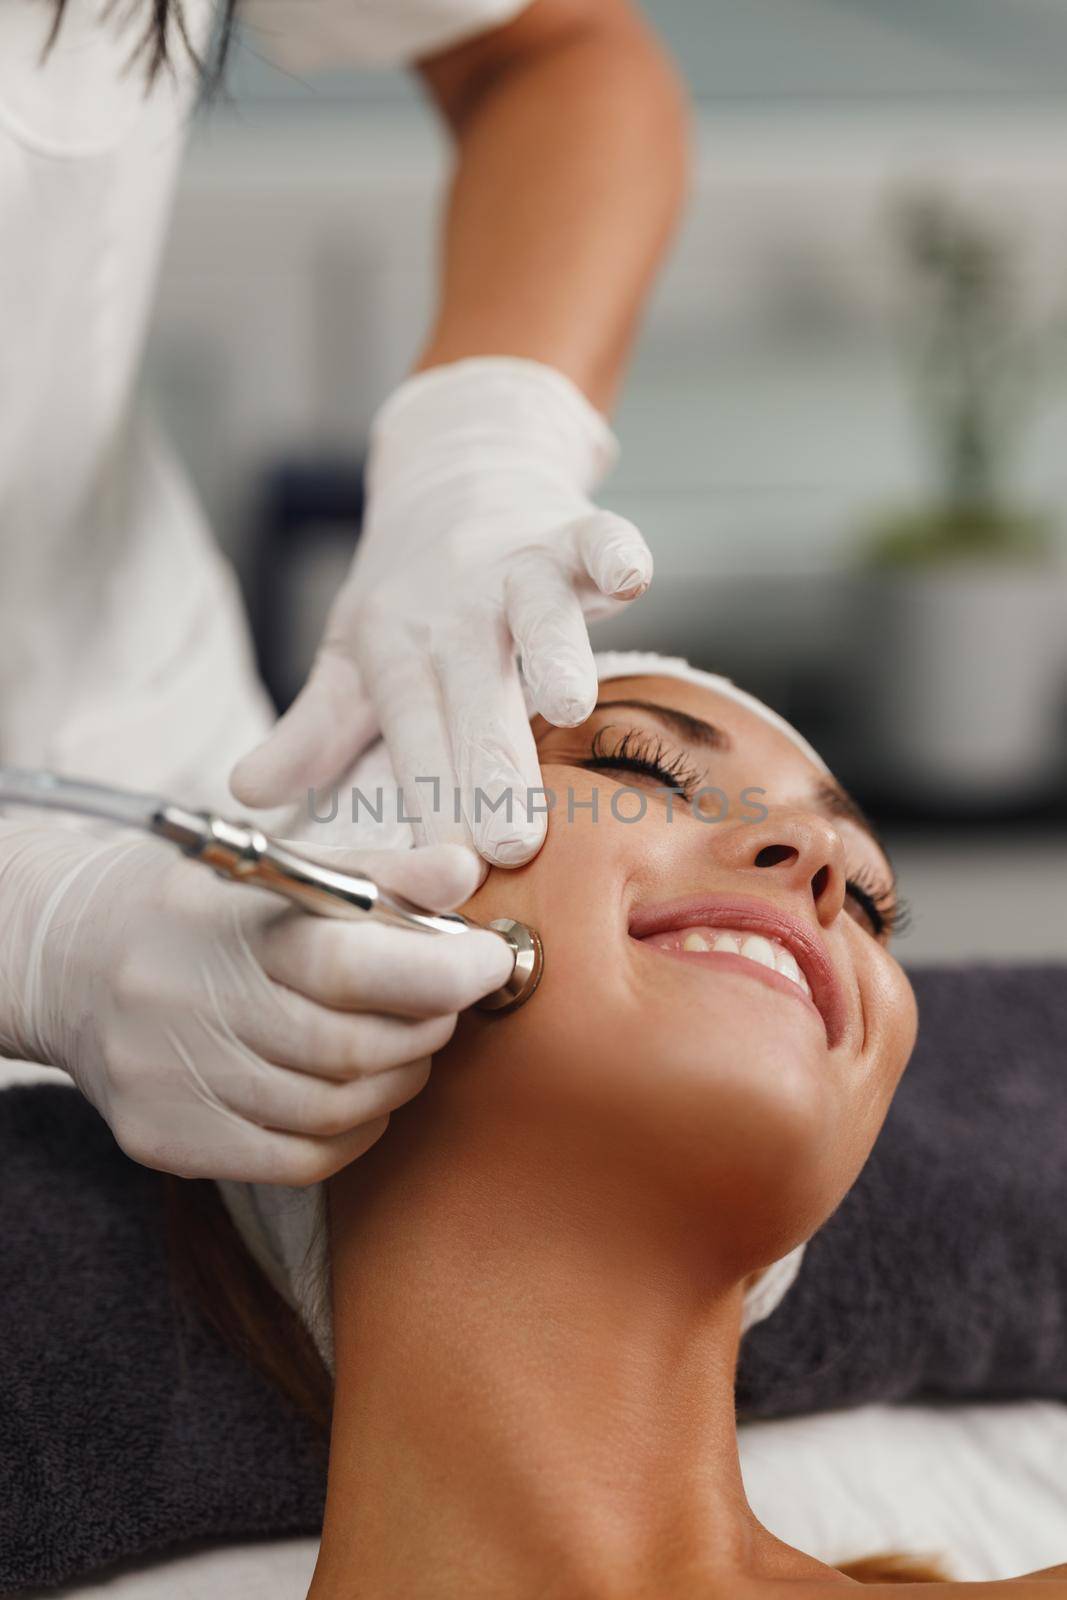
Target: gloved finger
[
  {"x": 369, "y": 967},
  {"x": 305, "y": 1160},
  {"x": 496, "y": 758},
  {"x": 249, "y": 1153},
  {"x": 297, "y": 1102},
  {"x": 329, "y": 723},
  {"x": 437, "y": 877},
  {"x": 549, "y": 627},
  {"x": 406, "y": 692},
  {"x": 311, "y": 1038},
  {"x": 614, "y": 554}
]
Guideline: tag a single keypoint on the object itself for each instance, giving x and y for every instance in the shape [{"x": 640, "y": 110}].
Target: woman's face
[{"x": 719, "y": 1009}]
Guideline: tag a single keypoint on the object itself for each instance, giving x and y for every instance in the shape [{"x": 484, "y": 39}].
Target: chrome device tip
[{"x": 526, "y": 973}]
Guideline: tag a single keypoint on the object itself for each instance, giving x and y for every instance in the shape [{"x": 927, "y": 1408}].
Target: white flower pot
[{"x": 965, "y": 682}]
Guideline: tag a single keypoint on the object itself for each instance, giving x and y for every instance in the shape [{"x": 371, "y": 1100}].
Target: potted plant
[{"x": 967, "y": 650}]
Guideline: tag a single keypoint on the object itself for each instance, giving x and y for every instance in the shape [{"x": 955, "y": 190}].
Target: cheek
[
  {"x": 892, "y": 1020},
  {"x": 889, "y": 1004},
  {"x": 573, "y": 894},
  {"x": 592, "y": 1045}
]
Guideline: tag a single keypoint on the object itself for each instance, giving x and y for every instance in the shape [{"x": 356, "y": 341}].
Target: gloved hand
[
  {"x": 220, "y": 1032},
  {"x": 480, "y": 536}
]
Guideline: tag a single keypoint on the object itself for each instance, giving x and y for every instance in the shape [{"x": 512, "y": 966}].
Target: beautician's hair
[
  {"x": 217, "y": 1280},
  {"x": 159, "y": 29}
]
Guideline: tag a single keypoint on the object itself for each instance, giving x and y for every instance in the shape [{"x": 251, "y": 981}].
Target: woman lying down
[{"x": 538, "y": 1278}]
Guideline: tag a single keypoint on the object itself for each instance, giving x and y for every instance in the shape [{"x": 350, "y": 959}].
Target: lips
[{"x": 750, "y": 915}]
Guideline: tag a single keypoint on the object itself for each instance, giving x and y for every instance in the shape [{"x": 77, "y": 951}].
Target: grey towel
[{"x": 127, "y": 1428}]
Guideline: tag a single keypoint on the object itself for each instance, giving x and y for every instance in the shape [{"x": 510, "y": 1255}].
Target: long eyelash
[
  {"x": 888, "y": 911},
  {"x": 638, "y": 751}
]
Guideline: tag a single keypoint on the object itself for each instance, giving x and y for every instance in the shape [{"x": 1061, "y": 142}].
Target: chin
[
  {"x": 712, "y": 1122},
  {"x": 765, "y": 1157}
]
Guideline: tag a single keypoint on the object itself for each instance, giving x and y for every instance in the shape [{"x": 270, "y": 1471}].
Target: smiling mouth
[
  {"x": 770, "y": 954},
  {"x": 751, "y": 937}
]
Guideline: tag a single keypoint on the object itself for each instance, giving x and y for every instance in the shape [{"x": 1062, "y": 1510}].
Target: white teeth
[
  {"x": 786, "y": 962},
  {"x": 767, "y": 952},
  {"x": 757, "y": 948}
]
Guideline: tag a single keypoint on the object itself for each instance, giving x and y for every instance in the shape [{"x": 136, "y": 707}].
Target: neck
[{"x": 534, "y": 1379}]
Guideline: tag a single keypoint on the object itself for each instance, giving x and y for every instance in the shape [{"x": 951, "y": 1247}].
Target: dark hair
[
  {"x": 215, "y": 1278},
  {"x": 162, "y": 26}
]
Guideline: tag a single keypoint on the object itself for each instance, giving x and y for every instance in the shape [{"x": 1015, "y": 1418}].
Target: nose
[{"x": 801, "y": 852}]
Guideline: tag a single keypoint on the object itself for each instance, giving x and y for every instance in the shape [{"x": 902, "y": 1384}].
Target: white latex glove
[
  {"x": 480, "y": 537},
  {"x": 220, "y": 1032}
]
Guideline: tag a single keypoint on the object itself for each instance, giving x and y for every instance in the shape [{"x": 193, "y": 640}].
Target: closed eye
[
  {"x": 644, "y": 754},
  {"x": 883, "y": 909}
]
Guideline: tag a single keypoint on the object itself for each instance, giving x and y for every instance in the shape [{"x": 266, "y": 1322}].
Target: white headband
[{"x": 647, "y": 664}]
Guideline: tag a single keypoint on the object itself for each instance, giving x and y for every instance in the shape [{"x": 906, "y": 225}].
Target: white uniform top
[{"x": 123, "y": 649}]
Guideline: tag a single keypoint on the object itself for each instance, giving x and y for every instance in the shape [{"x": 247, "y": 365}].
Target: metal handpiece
[
  {"x": 239, "y": 851},
  {"x": 242, "y": 853}
]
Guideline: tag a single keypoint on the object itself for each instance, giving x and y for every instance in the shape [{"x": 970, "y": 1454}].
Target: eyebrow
[
  {"x": 830, "y": 798},
  {"x": 693, "y": 729}
]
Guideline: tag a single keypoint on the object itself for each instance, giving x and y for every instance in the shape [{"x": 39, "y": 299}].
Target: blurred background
[{"x": 844, "y": 432}]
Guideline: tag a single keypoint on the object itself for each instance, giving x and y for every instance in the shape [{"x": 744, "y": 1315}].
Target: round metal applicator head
[{"x": 525, "y": 974}]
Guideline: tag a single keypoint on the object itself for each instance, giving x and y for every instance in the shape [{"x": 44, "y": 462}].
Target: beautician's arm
[
  {"x": 571, "y": 142},
  {"x": 481, "y": 538}
]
